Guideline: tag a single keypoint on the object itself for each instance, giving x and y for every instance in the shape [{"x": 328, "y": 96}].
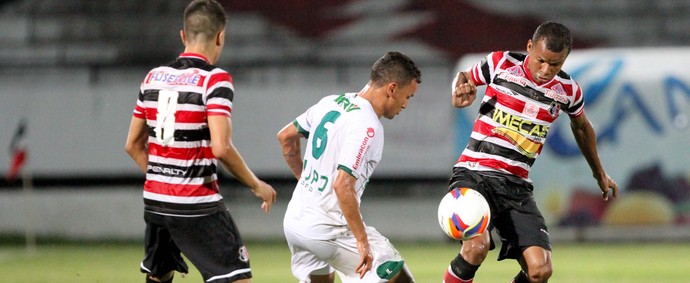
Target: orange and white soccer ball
[{"x": 463, "y": 214}]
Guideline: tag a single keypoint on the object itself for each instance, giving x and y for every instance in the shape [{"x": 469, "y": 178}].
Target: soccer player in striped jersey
[
  {"x": 323, "y": 224},
  {"x": 525, "y": 93},
  {"x": 179, "y": 131}
]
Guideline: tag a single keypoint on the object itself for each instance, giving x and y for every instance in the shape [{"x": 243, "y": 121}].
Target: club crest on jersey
[
  {"x": 554, "y": 109},
  {"x": 531, "y": 110}
]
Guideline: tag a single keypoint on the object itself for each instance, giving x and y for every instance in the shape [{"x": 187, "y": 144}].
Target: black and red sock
[{"x": 460, "y": 271}]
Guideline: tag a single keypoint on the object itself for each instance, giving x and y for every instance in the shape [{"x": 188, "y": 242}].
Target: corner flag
[{"x": 18, "y": 151}]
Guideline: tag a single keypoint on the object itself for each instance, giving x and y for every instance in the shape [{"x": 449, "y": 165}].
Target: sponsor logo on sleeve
[{"x": 363, "y": 147}]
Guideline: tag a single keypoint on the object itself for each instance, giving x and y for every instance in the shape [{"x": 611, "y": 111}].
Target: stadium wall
[
  {"x": 637, "y": 99},
  {"x": 78, "y": 117}
]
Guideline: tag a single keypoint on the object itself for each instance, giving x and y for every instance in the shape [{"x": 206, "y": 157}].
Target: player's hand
[
  {"x": 464, "y": 91},
  {"x": 365, "y": 258},
  {"x": 266, "y": 193},
  {"x": 606, "y": 184}
]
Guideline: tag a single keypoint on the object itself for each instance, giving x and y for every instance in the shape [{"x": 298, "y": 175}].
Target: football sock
[
  {"x": 460, "y": 271},
  {"x": 521, "y": 277},
  {"x": 450, "y": 277}
]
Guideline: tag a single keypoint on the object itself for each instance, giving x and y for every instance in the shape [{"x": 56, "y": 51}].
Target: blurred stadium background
[{"x": 71, "y": 70}]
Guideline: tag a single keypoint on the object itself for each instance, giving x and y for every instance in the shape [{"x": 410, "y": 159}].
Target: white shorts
[{"x": 321, "y": 257}]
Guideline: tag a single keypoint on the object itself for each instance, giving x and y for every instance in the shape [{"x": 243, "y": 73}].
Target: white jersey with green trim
[{"x": 344, "y": 133}]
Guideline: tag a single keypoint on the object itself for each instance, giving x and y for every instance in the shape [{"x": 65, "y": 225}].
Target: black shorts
[
  {"x": 514, "y": 212},
  {"x": 212, "y": 243}
]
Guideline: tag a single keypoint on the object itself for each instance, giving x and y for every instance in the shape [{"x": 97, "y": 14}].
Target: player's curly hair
[
  {"x": 557, "y": 36},
  {"x": 394, "y": 67},
  {"x": 204, "y": 17}
]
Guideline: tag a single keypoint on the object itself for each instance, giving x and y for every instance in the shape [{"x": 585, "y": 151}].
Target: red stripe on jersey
[
  {"x": 476, "y": 75},
  {"x": 180, "y": 190},
  {"x": 223, "y": 108},
  {"x": 183, "y": 116},
  {"x": 202, "y": 79},
  {"x": 180, "y": 152},
  {"x": 496, "y": 57},
  {"x": 140, "y": 112},
  {"x": 218, "y": 77},
  {"x": 483, "y": 128},
  {"x": 487, "y": 129},
  {"x": 493, "y": 163}
]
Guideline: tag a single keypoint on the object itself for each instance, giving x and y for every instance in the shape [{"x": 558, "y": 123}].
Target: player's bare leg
[
  {"x": 326, "y": 278},
  {"x": 162, "y": 278},
  {"x": 536, "y": 264},
  {"x": 475, "y": 250},
  {"x": 471, "y": 256},
  {"x": 404, "y": 276}
]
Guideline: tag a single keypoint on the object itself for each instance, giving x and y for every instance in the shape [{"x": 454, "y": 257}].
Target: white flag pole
[{"x": 29, "y": 229}]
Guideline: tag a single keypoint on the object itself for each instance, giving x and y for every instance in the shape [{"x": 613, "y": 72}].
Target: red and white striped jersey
[
  {"x": 176, "y": 100},
  {"x": 515, "y": 114}
]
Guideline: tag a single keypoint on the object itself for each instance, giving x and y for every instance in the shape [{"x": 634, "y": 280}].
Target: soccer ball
[{"x": 463, "y": 214}]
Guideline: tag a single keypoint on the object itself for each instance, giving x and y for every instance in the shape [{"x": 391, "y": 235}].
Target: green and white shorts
[{"x": 321, "y": 257}]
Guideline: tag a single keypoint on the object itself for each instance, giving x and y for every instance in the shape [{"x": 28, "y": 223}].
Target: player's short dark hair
[
  {"x": 557, "y": 36},
  {"x": 204, "y": 17},
  {"x": 394, "y": 67}
]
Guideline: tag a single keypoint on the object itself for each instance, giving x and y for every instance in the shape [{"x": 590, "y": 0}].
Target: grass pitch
[{"x": 119, "y": 262}]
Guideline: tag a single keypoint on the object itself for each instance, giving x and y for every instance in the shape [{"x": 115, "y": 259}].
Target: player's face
[
  {"x": 544, "y": 64},
  {"x": 399, "y": 98}
]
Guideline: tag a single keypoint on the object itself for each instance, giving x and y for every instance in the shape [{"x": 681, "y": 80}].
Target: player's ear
[
  {"x": 390, "y": 90},
  {"x": 529, "y": 45},
  {"x": 220, "y": 38},
  {"x": 183, "y": 37}
]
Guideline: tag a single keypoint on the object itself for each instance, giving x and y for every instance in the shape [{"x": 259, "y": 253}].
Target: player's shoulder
[
  {"x": 564, "y": 78},
  {"x": 515, "y": 55},
  {"x": 505, "y": 57}
]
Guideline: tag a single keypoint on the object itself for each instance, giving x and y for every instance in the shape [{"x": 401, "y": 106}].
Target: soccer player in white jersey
[
  {"x": 180, "y": 130},
  {"x": 525, "y": 93},
  {"x": 323, "y": 224}
]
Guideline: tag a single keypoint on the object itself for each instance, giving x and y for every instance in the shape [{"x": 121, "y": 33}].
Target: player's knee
[
  {"x": 404, "y": 276},
  {"x": 540, "y": 274},
  {"x": 475, "y": 250}
]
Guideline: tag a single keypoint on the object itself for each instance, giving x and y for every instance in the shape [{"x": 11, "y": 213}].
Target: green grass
[{"x": 119, "y": 262}]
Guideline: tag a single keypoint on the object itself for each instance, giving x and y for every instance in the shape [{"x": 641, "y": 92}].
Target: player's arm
[
  {"x": 464, "y": 90},
  {"x": 221, "y": 144},
  {"x": 344, "y": 187},
  {"x": 137, "y": 139},
  {"x": 586, "y": 141},
  {"x": 290, "y": 144}
]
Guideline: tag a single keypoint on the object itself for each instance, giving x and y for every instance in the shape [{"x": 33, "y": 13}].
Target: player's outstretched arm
[
  {"x": 223, "y": 149},
  {"x": 464, "y": 90},
  {"x": 289, "y": 139},
  {"x": 344, "y": 187},
  {"x": 586, "y": 141}
]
